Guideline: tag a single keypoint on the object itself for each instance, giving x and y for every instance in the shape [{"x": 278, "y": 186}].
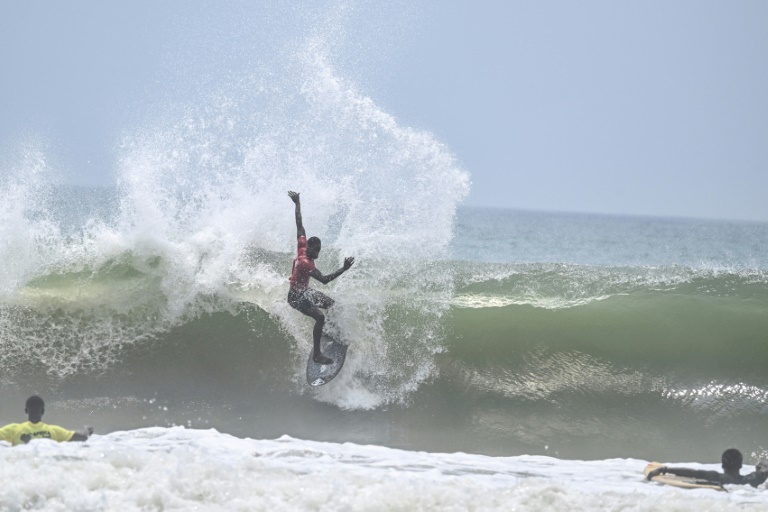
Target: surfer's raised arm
[
  {"x": 299, "y": 226},
  {"x": 325, "y": 279}
]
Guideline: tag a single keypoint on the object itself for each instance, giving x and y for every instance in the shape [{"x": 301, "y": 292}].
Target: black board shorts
[{"x": 305, "y": 300}]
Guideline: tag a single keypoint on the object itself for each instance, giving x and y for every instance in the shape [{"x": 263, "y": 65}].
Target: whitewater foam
[{"x": 181, "y": 469}]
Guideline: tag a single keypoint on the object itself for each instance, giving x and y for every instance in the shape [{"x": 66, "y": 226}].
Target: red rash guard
[{"x": 302, "y": 267}]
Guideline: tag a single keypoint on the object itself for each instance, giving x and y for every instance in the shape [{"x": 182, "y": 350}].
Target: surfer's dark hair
[
  {"x": 34, "y": 402},
  {"x": 313, "y": 241},
  {"x": 732, "y": 459}
]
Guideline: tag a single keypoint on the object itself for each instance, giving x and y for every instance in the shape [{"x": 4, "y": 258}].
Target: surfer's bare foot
[{"x": 321, "y": 359}]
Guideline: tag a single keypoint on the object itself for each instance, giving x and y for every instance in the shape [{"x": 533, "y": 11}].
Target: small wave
[
  {"x": 554, "y": 286},
  {"x": 479, "y": 301}
]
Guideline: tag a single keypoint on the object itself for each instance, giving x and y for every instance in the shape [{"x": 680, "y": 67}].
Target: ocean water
[
  {"x": 537, "y": 360},
  {"x": 498, "y": 359}
]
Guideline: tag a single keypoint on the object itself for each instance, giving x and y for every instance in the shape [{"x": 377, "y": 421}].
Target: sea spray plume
[
  {"x": 217, "y": 174},
  {"x": 73, "y": 302},
  {"x": 401, "y": 190},
  {"x": 202, "y": 227},
  {"x": 48, "y": 319},
  {"x": 28, "y": 237}
]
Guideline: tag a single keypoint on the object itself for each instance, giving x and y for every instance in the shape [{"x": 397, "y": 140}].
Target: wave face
[
  {"x": 668, "y": 359},
  {"x": 610, "y": 335}
]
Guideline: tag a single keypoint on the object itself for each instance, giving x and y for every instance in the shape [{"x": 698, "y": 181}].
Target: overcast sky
[{"x": 629, "y": 107}]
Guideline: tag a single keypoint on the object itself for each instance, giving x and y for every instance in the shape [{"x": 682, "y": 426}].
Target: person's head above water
[
  {"x": 35, "y": 407},
  {"x": 732, "y": 459},
  {"x": 313, "y": 247}
]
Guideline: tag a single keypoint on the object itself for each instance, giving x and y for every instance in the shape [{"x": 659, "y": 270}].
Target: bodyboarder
[
  {"x": 300, "y": 296},
  {"x": 731, "y": 463}
]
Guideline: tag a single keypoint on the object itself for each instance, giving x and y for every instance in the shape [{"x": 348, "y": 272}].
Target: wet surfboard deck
[
  {"x": 320, "y": 374},
  {"x": 680, "y": 481}
]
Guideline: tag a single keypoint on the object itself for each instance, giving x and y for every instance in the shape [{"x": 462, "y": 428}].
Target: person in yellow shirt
[{"x": 18, "y": 433}]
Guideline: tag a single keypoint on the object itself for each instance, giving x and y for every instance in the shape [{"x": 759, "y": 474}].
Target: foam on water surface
[{"x": 183, "y": 469}]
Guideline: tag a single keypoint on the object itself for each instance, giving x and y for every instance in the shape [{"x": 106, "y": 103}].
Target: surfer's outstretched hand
[
  {"x": 762, "y": 467},
  {"x": 348, "y": 262},
  {"x": 294, "y": 196}
]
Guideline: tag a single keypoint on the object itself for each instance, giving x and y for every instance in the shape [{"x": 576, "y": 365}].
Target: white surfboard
[{"x": 680, "y": 481}]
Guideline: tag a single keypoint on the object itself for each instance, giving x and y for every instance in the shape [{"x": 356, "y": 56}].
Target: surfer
[
  {"x": 731, "y": 462},
  {"x": 300, "y": 296},
  {"x": 18, "y": 433}
]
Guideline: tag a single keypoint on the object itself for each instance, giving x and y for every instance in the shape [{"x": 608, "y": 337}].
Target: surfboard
[
  {"x": 680, "y": 481},
  {"x": 320, "y": 374}
]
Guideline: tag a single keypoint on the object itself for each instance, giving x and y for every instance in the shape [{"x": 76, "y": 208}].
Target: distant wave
[{"x": 553, "y": 286}]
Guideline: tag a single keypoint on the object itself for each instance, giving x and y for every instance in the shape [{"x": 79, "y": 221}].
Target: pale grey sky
[{"x": 631, "y": 107}]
